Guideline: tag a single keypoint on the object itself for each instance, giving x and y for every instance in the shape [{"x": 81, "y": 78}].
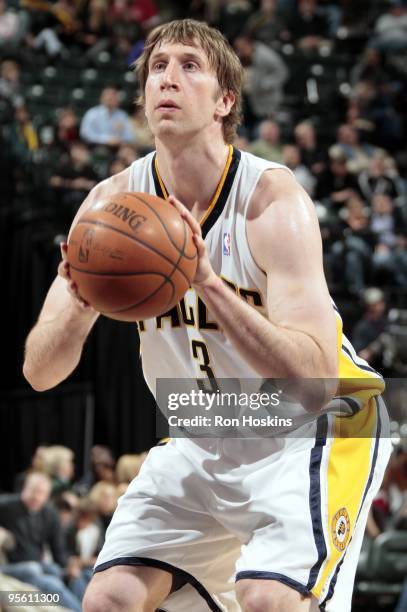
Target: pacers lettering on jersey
[{"x": 198, "y": 316}]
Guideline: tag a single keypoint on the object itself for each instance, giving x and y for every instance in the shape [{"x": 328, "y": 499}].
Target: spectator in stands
[
  {"x": 233, "y": 16},
  {"x": 10, "y": 86},
  {"x": 58, "y": 463},
  {"x": 309, "y": 29},
  {"x": 386, "y": 220},
  {"x": 107, "y": 124},
  {"x": 84, "y": 541},
  {"x": 333, "y": 12},
  {"x": 352, "y": 254},
  {"x": 357, "y": 154},
  {"x": 372, "y": 112},
  {"x": 104, "y": 496},
  {"x": 402, "y": 601},
  {"x": 93, "y": 35},
  {"x": 383, "y": 220},
  {"x": 380, "y": 178},
  {"x": 267, "y": 25},
  {"x": 10, "y": 28},
  {"x": 369, "y": 67},
  {"x": 21, "y": 136},
  {"x": 390, "y": 31},
  {"x": 142, "y": 12},
  {"x": 127, "y": 153},
  {"x": 292, "y": 159},
  {"x": 35, "y": 525},
  {"x": 312, "y": 155},
  {"x": 400, "y": 259},
  {"x": 73, "y": 177},
  {"x": 67, "y": 128},
  {"x": 371, "y": 326},
  {"x": 36, "y": 465},
  {"x": 265, "y": 75},
  {"x": 102, "y": 467},
  {"x": 268, "y": 145},
  {"x": 336, "y": 185},
  {"x": 127, "y": 468}
]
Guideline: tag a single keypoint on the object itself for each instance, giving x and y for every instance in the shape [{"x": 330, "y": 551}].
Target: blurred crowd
[
  {"x": 52, "y": 526},
  {"x": 324, "y": 93}
]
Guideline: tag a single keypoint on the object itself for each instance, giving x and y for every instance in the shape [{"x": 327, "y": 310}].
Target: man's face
[
  {"x": 36, "y": 492},
  {"x": 110, "y": 98},
  {"x": 182, "y": 92}
]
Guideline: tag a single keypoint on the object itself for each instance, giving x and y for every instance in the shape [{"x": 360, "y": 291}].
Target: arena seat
[{"x": 383, "y": 565}]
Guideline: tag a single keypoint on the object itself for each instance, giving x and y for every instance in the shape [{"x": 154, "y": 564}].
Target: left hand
[{"x": 205, "y": 274}]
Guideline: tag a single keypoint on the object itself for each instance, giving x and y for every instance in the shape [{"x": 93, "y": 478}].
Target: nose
[{"x": 170, "y": 77}]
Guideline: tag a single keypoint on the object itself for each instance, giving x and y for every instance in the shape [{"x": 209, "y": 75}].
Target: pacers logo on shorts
[{"x": 341, "y": 529}]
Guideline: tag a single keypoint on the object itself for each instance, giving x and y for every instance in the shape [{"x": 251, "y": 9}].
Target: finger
[
  {"x": 63, "y": 270},
  {"x": 73, "y": 291},
  {"x": 186, "y": 215},
  {"x": 64, "y": 249},
  {"x": 200, "y": 245}
]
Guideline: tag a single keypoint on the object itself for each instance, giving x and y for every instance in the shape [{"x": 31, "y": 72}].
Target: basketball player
[{"x": 229, "y": 524}]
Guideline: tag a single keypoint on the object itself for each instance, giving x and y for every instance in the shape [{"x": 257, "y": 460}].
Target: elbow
[{"x": 33, "y": 379}]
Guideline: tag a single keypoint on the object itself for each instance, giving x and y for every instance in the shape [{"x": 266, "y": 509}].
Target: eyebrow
[{"x": 185, "y": 55}]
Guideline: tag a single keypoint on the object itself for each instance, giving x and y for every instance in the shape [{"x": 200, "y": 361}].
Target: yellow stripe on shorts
[{"x": 349, "y": 466}]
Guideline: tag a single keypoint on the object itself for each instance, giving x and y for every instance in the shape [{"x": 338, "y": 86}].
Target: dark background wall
[{"x": 109, "y": 372}]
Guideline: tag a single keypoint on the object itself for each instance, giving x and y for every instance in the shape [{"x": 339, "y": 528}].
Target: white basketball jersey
[{"x": 187, "y": 341}]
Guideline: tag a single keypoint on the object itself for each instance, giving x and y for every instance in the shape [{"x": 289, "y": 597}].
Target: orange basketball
[{"x": 132, "y": 256}]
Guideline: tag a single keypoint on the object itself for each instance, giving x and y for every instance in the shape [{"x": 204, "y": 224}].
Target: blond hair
[
  {"x": 222, "y": 59},
  {"x": 128, "y": 466},
  {"x": 54, "y": 457}
]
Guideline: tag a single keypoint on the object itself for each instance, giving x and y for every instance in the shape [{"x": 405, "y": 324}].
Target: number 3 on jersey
[{"x": 201, "y": 354}]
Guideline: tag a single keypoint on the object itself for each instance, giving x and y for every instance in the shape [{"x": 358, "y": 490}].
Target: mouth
[{"x": 167, "y": 105}]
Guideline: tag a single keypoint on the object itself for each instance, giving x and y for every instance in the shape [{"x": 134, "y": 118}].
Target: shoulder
[
  {"x": 9, "y": 500},
  {"x": 281, "y": 218},
  {"x": 94, "y": 110},
  {"x": 277, "y": 184},
  {"x": 114, "y": 184}
]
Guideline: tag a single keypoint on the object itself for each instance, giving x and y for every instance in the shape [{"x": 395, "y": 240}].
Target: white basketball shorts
[{"x": 216, "y": 511}]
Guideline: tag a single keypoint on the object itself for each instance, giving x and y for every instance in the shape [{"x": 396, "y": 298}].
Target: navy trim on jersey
[
  {"x": 224, "y": 194},
  {"x": 315, "y": 498},
  {"x": 259, "y": 575},
  {"x": 334, "y": 579},
  {"x": 352, "y": 403},
  {"x": 157, "y": 183},
  {"x": 361, "y": 366},
  {"x": 180, "y": 577}
]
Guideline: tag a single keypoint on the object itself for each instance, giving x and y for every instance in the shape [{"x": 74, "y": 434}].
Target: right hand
[{"x": 72, "y": 287}]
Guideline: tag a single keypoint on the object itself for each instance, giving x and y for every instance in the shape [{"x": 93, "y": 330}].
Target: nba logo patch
[{"x": 226, "y": 243}]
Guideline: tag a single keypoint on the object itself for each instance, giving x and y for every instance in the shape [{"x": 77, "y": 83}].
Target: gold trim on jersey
[{"x": 218, "y": 190}]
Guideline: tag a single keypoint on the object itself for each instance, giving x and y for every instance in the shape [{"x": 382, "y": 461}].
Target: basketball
[{"x": 132, "y": 256}]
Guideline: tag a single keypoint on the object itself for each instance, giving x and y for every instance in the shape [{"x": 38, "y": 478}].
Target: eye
[
  {"x": 158, "y": 66},
  {"x": 191, "y": 66}
]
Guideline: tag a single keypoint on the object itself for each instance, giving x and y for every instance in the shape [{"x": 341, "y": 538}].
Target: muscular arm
[
  {"x": 54, "y": 345},
  {"x": 299, "y": 338}
]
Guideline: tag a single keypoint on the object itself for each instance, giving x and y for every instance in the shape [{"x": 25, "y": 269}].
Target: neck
[{"x": 192, "y": 173}]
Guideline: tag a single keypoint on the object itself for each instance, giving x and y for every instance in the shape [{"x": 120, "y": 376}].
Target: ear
[{"x": 224, "y": 103}]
